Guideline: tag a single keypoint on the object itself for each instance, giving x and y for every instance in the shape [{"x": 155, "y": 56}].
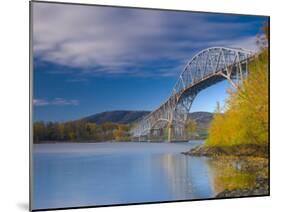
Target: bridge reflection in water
[
  {"x": 182, "y": 174},
  {"x": 205, "y": 69}
]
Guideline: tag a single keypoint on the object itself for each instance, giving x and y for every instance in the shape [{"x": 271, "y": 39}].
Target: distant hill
[
  {"x": 119, "y": 117},
  {"x": 203, "y": 119}
]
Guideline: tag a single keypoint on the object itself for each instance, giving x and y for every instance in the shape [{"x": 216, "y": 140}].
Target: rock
[
  {"x": 260, "y": 189},
  {"x": 243, "y": 192}
]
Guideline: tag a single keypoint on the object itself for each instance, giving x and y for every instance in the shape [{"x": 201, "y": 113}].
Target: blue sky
[{"x": 94, "y": 59}]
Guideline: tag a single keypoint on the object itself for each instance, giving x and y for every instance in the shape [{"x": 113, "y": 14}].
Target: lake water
[{"x": 72, "y": 175}]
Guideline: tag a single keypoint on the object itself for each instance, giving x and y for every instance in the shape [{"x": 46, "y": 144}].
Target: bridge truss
[{"x": 205, "y": 69}]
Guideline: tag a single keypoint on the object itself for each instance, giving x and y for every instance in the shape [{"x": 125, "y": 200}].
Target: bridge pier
[
  {"x": 149, "y": 137},
  {"x": 170, "y": 126}
]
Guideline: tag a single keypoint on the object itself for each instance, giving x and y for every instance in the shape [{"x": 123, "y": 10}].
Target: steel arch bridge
[{"x": 205, "y": 69}]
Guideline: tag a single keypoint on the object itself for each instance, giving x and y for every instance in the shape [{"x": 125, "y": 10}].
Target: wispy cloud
[
  {"x": 249, "y": 42},
  {"x": 99, "y": 40},
  {"x": 40, "y": 102},
  {"x": 56, "y": 101}
]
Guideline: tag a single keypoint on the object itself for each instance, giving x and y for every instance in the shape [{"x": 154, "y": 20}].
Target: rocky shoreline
[
  {"x": 245, "y": 161},
  {"x": 247, "y": 150},
  {"x": 261, "y": 188}
]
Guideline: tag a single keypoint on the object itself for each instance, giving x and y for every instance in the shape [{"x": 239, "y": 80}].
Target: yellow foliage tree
[
  {"x": 121, "y": 133},
  {"x": 246, "y": 118}
]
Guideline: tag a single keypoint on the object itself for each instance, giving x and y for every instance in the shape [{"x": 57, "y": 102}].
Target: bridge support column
[{"x": 170, "y": 126}]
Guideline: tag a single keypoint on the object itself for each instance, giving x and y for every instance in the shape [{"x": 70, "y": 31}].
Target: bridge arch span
[{"x": 204, "y": 69}]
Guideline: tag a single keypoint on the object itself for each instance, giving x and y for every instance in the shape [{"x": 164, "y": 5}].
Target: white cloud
[
  {"x": 56, "y": 101},
  {"x": 40, "y": 102},
  {"x": 248, "y": 43},
  {"x": 118, "y": 41}
]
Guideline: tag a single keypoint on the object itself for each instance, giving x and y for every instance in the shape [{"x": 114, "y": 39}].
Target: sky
[{"x": 91, "y": 59}]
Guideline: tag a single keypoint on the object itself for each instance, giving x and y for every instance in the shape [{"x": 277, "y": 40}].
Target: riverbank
[
  {"x": 247, "y": 150},
  {"x": 243, "y": 169}
]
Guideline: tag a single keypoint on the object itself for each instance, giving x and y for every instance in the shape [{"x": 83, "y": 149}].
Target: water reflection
[
  {"x": 187, "y": 177},
  {"x": 175, "y": 172},
  {"x": 229, "y": 174},
  {"x": 72, "y": 175}
]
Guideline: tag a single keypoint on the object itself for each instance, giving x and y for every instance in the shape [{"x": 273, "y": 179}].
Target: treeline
[
  {"x": 245, "y": 120},
  {"x": 79, "y": 131}
]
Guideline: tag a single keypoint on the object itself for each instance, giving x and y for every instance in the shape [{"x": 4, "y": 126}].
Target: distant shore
[
  {"x": 112, "y": 141},
  {"x": 74, "y": 142}
]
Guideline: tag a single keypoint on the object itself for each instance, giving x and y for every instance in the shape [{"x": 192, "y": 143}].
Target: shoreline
[
  {"x": 114, "y": 141},
  {"x": 243, "y": 150},
  {"x": 260, "y": 182},
  {"x": 244, "y": 159}
]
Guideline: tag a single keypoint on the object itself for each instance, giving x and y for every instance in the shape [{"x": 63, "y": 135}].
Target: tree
[
  {"x": 91, "y": 131},
  {"x": 80, "y": 130},
  {"x": 218, "y": 109},
  {"x": 191, "y": 129},
  {"x": 39, "y": 131},
  {"x": 121, "y": 133},
  {"x": 263, "y": 37},
  {"x": 60, "y": 131},
  {"x": 107, "y": 130},
  {"x": 245, "y": 120}
]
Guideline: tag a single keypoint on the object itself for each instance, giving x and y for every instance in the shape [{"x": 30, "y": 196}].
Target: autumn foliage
[
  {"x": 79, "y": 131},
  {"x": 245, "y": 120}
]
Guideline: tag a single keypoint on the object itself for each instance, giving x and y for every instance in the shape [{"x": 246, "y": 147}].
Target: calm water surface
[{"x": 70, "y": 175}]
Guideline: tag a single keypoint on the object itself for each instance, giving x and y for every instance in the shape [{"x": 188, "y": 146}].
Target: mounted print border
[{"x": 141, "y": 105}]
